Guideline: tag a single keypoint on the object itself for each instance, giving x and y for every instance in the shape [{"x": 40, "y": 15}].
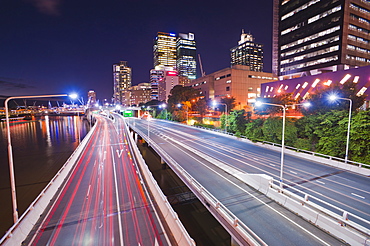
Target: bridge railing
[{"x": 207, "y": 198}]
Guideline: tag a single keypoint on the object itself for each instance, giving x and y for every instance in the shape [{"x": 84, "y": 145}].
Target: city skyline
[{"x": 71, "y": 46}]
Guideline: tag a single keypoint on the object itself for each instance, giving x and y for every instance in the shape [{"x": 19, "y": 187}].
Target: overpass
[
  {"x": 236, "y": 181},
  {"x": 103, "y": 195}
]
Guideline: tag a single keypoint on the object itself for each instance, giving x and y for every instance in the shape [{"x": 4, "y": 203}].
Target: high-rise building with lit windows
[
  {"x": 248, "y": 53},
  {"x": 316, "y": 36},
  {"x": 121, "y": 81},
  {"x": 186, "y": 64},
  {"x": 164, "y": 49}
]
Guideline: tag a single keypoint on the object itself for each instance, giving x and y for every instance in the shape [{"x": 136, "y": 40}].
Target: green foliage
[
  {"x": 237, "y": 121},
  {"x": 272, "y": 130},
  {"x": 253, "y": 130},
  {"x": 181, "y": 94},
  {"x": 360, "y": 138},
  {"x": 230, "y": 102}
]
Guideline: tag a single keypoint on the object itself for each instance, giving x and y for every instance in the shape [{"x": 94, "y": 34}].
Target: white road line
[
  {"x": 293, "y": 172},
  {"x": 272, "y": 165},
  {"x": 88, "y": 191},
  {"x": 255, "y": 159},
  {"x": 118, "y": 202},
  {"x": 318, "y": 181},
  {"x": 362, "y": 197},
  {"x": 262, "y": 202}
]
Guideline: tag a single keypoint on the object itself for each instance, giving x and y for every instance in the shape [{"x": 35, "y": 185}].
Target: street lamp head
[
  {"x": 258, "y": 104},
  {"x": 306, "y": 104},
  {"x": 179, "y": 105},
  {"x": 73, "y": 96},
  {"x": 214, "y": 103},
  {"x": 163, "y": 105},
  {"x": 333, "y": 97}
]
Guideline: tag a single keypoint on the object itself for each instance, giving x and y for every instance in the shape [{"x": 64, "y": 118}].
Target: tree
[
  {"x": 359, "y": 146},
  {"x": 272, "y": 131},
  {"x": 253, "y": 130},
  {"x": 237, "y": 121},
  {"x": 201, "y": 106},
  {"x": 181, "y": 94},
  {"x": 230, "y": 102}
]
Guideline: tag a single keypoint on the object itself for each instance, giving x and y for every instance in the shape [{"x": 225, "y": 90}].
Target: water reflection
[{"x": 40, "y": 147}]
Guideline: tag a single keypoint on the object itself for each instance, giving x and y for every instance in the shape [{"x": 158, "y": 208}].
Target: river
[{"x": 40, "y": 147}]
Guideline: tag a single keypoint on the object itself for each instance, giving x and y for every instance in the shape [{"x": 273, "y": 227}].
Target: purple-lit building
[{"x": 308, "y": 85}]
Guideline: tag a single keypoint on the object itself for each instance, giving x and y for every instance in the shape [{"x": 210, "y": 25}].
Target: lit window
[
  {"x": 361, "y": 92},
  {"x": 315, "y": 83},
  {"x": 304, "y": 85},
  {"x": 345, "y": 78},
  {"x": 355, "y": 79}
]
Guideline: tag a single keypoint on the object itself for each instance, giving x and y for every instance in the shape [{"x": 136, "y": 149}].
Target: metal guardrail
[{"x": 243, "y": 230}]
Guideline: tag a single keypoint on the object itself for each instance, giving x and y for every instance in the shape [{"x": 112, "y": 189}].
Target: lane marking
[
  {"x": 258, "y": 199},
  {"x": 293, "y": 172},
  {"x": 88, "y": 192},
  {"x": 362, "y": 197},
  {"x": 119, "y": 152},
  {"x": 117, "y": 198},
  {"x": 318, "y": 181},
  {"x": 272, "y": 165}
]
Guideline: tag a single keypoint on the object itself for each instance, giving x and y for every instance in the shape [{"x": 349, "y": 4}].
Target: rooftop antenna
[{"x": 201, "y": 67}]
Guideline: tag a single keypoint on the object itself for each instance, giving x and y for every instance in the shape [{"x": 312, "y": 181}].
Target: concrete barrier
[{"x": 20, "y": 230}]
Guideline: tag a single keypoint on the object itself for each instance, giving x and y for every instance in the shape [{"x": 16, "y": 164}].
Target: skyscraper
[
  {"x": 164, "y": 49},
  {"x": 121, "y": 81},
  {"x": 315, "y": 36},
  {"x": 248, "y": 53},
  {"x": 186, "y": 64}
]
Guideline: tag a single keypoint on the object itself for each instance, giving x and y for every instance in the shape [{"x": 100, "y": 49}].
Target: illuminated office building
[
  {"x": 121, "y": 81},
  {"x": 316, "y": 36},
  {"x": 164, "y": 49},
  {"x": 248, "y": 53},
  {"x": 162, "y": 80},
  {"x": 91, "y": 99},
  {"x": 186, "y": 64}
]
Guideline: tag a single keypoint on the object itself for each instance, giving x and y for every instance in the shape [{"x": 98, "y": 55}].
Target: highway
[
  {"x": 103, "y": 202},
  {"x": 274, "y": 224}
]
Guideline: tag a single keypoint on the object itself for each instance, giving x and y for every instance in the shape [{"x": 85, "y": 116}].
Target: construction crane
[{"x": 201, "y": 67}]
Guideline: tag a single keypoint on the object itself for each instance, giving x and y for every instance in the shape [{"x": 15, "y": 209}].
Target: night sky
[{"x": 60, "y": 46}]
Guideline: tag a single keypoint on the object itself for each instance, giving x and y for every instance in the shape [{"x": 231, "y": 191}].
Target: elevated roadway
[
  {"x": 274, "y": 224},
  {"x": 103, "y": 201}
]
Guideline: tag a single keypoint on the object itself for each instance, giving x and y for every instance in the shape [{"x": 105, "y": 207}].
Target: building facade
[
  {"x": 164, "y": 49},
  {"x": 317, "y": 36},
  {"x": 248, "y": 53},
  {"x": 139, "y": 94},
  {"x": 305, "y": 86},
  {"x": 237, "y": 81},
  {"x": 186, "y": 64},
  {"x": 121, "y": 82},
  {"x": 91, "y": 99}
]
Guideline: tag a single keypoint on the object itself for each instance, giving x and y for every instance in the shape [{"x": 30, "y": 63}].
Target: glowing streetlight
[
  {"x": 333, "y": 98},
  {"x": 214, "y": 105},
  {"x": 10, "y": 149},
  {"x": 284, "y": 107}
]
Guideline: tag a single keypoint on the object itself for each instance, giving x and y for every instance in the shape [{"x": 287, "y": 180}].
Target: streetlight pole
[
  {"x": 284, "y": 107},
  {"x": 333, "y": 98},
  {"x": 214, "y": 104},
  {"x": 10, "y": 150}
]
